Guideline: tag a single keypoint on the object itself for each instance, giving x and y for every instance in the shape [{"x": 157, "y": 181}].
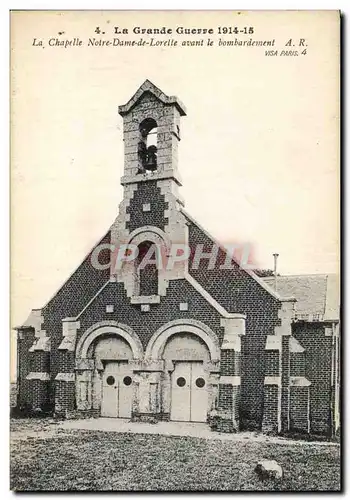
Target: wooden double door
[
  {"x": 189, "y": 393},
  {"x": 117, "y": 390}
]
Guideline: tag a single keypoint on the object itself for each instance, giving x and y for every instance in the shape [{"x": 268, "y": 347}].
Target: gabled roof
[
  {"x": 318, "y": 295},
  {"x": 148, "y": 86},
  {"x": 267, "y": 286}
]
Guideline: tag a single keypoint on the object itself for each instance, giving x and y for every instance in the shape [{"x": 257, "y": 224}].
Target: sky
[{"x": 259, "y": 155}]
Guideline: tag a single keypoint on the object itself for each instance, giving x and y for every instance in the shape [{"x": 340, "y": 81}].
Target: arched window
[
  {"x": 147, "y": 146},
  {"x": 147, "y": 271}
]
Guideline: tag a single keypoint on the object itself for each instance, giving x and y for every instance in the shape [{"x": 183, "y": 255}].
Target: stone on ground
[{"x": 269, "y": 469}]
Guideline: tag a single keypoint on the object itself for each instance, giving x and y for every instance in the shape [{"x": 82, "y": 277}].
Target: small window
[
  {"x": 127, "y": 380},
  {"x": 110, "y": 380},
  {"x": 147, "y": 146},
  {"x": 200, "y": 382},
  {"x": 181, "y": 382}
]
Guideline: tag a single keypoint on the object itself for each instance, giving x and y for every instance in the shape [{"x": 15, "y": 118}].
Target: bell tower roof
[{"x": 149, "y": 87}]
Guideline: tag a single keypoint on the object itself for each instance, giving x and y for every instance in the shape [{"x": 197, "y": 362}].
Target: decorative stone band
[
  {"x": 234, "y": 329},
  {"x": 299, "y": 382},
  {"x": 143, "y": 299},
  {"x": 65, "y": 377},
  {"x": 41, "y": 344},
  {"x": 295, "y": 346},
  {"x": 227, "y": 379},
  {"x": 273, "y": 381},
  {"x": 332, "y": 331},
  {"x": 166, "y": 174},
  {"x": 273, "y": 343},
  {"x": 38, "y": 376},
  {"x": 286, "y": 315},
  {"x": 34, "y": 320},
  {"x": 84, "y": 364},
  {"x": 69, "y": 331}
]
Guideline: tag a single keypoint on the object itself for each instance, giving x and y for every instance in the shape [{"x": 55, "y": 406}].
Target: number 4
[
  {"x": 303, "y": 52},
  {"x": 97, "y": 30}
]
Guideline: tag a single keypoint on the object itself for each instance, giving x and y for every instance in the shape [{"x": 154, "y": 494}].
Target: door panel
[
  {"x": 189, "y": 396},
  {"x": 199, "y": 393},
  {"x": 116, "y": 390},
  {"x": 125, "y": 392},
  {"x": 181, "y": 392}
]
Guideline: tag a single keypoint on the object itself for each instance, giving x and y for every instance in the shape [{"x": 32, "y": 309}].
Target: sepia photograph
[{"x": 175, "y": 251}]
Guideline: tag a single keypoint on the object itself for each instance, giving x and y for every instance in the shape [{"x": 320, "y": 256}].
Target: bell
[{"x": 151, "y": 161}]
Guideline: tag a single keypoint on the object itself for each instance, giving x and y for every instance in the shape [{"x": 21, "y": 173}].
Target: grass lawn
[{"x": 61, "y": 460}]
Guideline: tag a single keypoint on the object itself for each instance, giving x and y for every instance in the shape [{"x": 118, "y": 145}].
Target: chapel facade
[{"x": 183, "y": 339}]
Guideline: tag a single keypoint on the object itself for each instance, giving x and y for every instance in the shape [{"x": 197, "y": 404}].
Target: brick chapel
[{"x": 185, "y": 343}]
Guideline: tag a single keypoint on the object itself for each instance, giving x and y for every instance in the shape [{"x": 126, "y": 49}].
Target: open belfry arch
[{"x": 185, "y": 342}]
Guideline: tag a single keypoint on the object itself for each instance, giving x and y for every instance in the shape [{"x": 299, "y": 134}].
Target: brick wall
[
  {"x": 147, "y": 192},
  {"x": 146, "y": 323},
  {"x": 299, "y": 409},
  {"x": 75, "y": 293},
  {"x": 230, "y": 363},
  {"x": 271, "y": 410},
  {"x": 297, "y": 364},
  {"x": 318, "y": 362},
  {"x": 272, "y": 363},
  {"x": 240, "y": 293},
  {"x": 24, "y": 342}
]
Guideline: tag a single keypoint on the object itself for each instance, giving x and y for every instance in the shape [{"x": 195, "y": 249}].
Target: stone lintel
[
  {"x": 65, "y": 377},
  {"x": 70, "y": 326},
  {"x": 69, "y": 332},
  {"x": 234, "y": 329},
  {"x": 143, "y": 299},
  {"x": 41, "y": 344},
  {"x": 147, "y": 365},
  {"x": 38, "y": 376},
  {"x": 229, "y": 379},
  {"x": 299, "y": 382},
  {"x": 232, "y": 343},
  {"x": 84, "y": 364},
  {"x": 273, "y": 381},
  {"x": 273, "y": 343}
]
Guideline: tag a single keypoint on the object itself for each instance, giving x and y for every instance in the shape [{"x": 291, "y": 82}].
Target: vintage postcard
[{"x": 175, "y": 209}]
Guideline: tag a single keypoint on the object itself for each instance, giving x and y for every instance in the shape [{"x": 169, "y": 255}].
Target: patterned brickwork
[
  {"x": 147, "y": 192},
  {"x": 146, "y": 323}
]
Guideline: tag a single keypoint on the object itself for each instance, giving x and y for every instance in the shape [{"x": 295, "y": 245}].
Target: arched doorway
[
  {"x": 189, "y": 378},
  {"x": 113, "y": 355},
  {"x": 190, "y": 353},
  {"x": 104, "y": 375}
]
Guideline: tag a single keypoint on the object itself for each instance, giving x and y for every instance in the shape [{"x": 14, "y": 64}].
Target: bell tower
[
  {"x": 151, "y": 208},
  {"x": 151, "y": 135}
]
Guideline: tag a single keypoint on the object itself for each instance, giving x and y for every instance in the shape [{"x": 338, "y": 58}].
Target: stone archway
[
  {"x": 109, "y": 327},
  {"x": 160, "y": 337},
  {"x": 90, "y": 371},
  {"x": 194, "y": 358}
]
